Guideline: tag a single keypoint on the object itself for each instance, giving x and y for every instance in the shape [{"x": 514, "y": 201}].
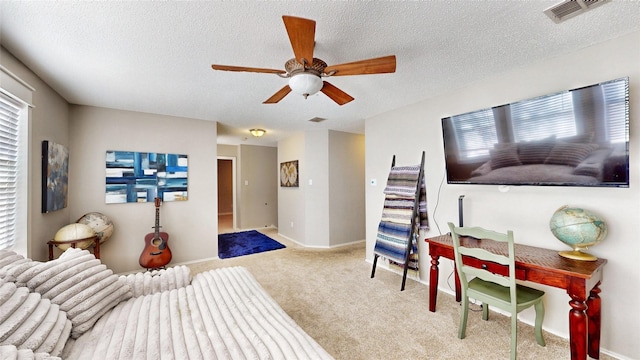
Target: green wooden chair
[{"x": 493, "y": 289}]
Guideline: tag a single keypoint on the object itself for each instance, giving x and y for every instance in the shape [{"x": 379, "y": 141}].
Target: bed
[{"x": 79, "y": 309}]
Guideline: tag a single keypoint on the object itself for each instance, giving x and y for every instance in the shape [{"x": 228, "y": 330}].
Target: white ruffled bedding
[
  {"x": 75, "y": 308},
  {"x": 10, "y": 352},
  {"x": 149, "y": 282},
  {"x": 223, "y": 314},
  {"x": 27, "y": 321},
  {"x": 77, "y": 282}
]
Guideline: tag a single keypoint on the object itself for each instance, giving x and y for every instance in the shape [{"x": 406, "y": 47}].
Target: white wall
[
  {"x": 192, "y": 225},
  {"x": 526, "y": 210}
]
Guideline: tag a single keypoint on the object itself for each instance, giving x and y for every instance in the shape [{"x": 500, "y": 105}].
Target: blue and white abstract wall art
[{"x": 143, "y": 176}]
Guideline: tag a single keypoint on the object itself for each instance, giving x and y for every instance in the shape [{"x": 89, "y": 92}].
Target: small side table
[{"x": 73, "y": 243}]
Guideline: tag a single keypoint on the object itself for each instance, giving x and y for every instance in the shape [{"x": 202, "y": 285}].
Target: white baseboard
[{"x": 321, "y": 247}]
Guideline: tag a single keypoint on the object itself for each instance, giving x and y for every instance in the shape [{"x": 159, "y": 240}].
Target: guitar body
[
  {"x": 156, "y": 252},
  {"x": 154, "y": 256}
]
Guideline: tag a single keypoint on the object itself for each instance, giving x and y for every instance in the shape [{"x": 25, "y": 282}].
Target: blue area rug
[{"x": 245, "y": 243}]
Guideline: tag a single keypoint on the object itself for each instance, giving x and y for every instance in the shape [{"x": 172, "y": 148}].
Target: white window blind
[
  {"x": 536, "y": 119},
  {"x": 475, "y": 133},
  {"x": 9, "y": 116},
  {"x": 616, "y": 107}
]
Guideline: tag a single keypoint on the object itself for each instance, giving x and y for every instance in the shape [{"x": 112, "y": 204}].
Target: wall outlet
[{"x": 292, "y": 224}]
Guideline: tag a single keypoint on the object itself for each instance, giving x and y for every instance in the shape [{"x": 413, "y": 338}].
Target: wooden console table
[
  {"x": 581, "y": 280},
  {"x": 74, "y": 243}
]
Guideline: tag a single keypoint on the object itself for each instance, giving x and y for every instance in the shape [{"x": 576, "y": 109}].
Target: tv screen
[{"x": 577, "y": 137}]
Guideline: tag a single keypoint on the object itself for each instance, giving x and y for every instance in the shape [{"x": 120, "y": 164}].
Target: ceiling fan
[{"x": 305, "y": 72}]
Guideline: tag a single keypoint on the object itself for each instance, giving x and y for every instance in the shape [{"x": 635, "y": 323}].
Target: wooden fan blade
[
  {"x": 381, "y": 65},
  {"x": 247, "y": 69},
  {"x": 302, "y": 34},
  {"x": 337, "y": 95},
  {"x": 278, "y": 96}
]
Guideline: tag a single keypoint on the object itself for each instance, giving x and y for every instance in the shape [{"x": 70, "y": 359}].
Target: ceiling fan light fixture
[
  {"x": 305, "y": 83},
  {"x": 257, "y": 132}
]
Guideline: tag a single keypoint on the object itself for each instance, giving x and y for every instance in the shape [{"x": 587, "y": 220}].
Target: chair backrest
[{"x": 466, "y": 271}]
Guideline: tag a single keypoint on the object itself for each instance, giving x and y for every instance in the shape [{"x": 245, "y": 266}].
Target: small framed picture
[{"x": 289, "y": 174}]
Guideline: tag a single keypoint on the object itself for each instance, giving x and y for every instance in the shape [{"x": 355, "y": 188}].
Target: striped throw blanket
[{"x": 395, "y": 224}]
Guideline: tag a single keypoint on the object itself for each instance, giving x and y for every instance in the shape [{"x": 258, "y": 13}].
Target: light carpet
[{"x": 330, "y": 294}]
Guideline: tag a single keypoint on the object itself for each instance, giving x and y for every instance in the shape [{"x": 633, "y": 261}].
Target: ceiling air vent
[
  {"x": 570, "y": 8},
  {"x": 317, "y": 119}
]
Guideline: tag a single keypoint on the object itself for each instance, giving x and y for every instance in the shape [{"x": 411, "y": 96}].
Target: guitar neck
[{"x": 157, "y": 226}]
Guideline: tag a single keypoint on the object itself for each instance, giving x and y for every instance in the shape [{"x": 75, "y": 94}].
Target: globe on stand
[
  {"x": 82, "y": 234},
  {"x": 100, "y": 223},
  {"x": 578, "y": 228}
]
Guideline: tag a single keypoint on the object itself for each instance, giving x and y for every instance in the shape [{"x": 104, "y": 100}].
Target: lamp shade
[{"x": 305, "y": 84}]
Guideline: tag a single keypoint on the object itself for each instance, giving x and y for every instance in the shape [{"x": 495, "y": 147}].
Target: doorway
[{"x": 226, "y": 194}]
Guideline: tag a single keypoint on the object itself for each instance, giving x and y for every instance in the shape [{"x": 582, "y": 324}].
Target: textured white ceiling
[{"x": 156, "y": 57}]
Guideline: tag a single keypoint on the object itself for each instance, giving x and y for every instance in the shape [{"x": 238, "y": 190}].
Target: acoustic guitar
[{"x": 156, "y": 253}]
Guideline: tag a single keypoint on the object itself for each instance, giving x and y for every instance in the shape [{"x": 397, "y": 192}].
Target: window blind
[
  {"x": 9, "y": 116},
  {"x": 475, "y": 133},
  {"x": 536, "y": 119},
  {"x": 616, "y": 102}
]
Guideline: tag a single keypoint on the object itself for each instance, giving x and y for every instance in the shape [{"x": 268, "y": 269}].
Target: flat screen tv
[{"x": 577, "y": 137}]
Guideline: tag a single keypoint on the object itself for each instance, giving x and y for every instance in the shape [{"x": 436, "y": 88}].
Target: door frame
[{"x": 233, "y": 184}]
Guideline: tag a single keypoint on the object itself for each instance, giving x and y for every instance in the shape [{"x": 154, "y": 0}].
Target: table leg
[
  {"x": 96, "y": 249},
  {"x": 578, "y": 327},
  {"x": 457, "y": 284},
  {"x": 593, "y": 315},
  {"x": 433, "y": 282}
]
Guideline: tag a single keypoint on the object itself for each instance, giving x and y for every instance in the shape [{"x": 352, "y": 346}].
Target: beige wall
[
  {"x": 192, "y": 225},
  {"x": 258, "y": 195},
  {"x": 347, "y": 188},
  {"x": 228, "y": 150},
  {"x": 314, "y": 183},
  {"x": 49, "y": 121},
  {"x": 526, "y": 210},
  {"x": 256, "y": 184},
  {"x": 291, "y": 210},
  {"x": 327, "y": 209}
]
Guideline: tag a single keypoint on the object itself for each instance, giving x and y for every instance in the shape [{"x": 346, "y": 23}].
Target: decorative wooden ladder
[{"x": 415, "y": 217}]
